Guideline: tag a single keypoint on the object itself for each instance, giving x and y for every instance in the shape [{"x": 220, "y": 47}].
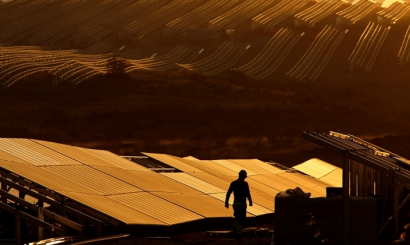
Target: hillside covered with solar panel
[{"x": 65, "y": 41}]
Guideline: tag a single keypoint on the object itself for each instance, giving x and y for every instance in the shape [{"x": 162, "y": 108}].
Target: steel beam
[
  {"x": 29, "y": 218},
  {"x": 346, "y": 199},
  {"x": 314, "y": 138},
  {"x": 45, "y": 199},
  {"x": 17, "y": 226},
  {"x": 56, "y": 217},
  {"x": 4, "y": 187},
  {"x": 40, "y": 229},
  {"x": 395, "y": 209}
]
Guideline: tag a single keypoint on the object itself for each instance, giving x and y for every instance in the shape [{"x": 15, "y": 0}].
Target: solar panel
[
  {"x": 115, "y": 160},
  {"x": 315, "y": 167},
  {"x": 148, "y": 181},
  {"x": 203, "y": 205},
  {"x": 234, "y": 167},
  {"x": 45, "y": 178},
  {"x": 193, "y": 182},
  {"x": 174, "y": 162},
  {"x": 76, "y": 153},
  {"x": 114, "y": 209},
  {"x": 256, "y": 209},
  {"x": 156, "y": 207},
  {"x": 34, "y": 153},
  {"x": 246, "y": 164},
  {"x": 334, "y": 178},
  {"x": 93, "y": 179},
  {"x": 214, "y": 168}
]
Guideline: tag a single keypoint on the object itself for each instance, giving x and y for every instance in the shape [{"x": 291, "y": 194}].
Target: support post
[
  {"x": 366, "y": 181},
  {"x": 17, "y": 222},
  {"x": 371, "y": 180},
  {"x": 99, "y": 231},
  {"x": 378, "y": 184},
  {"x": 395, "y": 209},
  {"x": 4, "y": 188},
  {"x": 346, "y": 198},
  {"x": 40, "y": 229},
  {"x": 353, "y": 166},
  {"x": 360, "y": 177},
  {"x": 63, "y": 226}
]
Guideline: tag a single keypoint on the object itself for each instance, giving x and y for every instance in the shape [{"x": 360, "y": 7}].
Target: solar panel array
[{"x": 132, "y": 194}]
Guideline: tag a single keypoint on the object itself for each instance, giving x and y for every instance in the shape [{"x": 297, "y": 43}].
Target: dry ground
[{"x": 209, "y": 119}]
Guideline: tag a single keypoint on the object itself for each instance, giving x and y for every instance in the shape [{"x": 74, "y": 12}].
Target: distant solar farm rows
[
  {"x": 404, "y": 52},
  {"x": 393, "y": 13},
  {"x": 368, "y": 46},
  {"x": 165, "y": 62},
  {"x": 246, "y": 10},
  {"x": 317, "y": 12},
  {"x": 199, "y": 16},
  {"x": 17, "y": 63},
  {"x": 355, "y": 12},
  {"x": 47, "y": 23},
  {"x": 276, "y": 14},
  {"x": 272, "y": 55},
  {"x": 316, "y": 57},
  {"x": 223, "y": 58}
]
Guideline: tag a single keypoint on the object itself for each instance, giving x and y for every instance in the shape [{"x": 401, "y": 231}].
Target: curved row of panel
[
  {"x": 367, "y": 48},
  {"x": 199, "y": 16},
  {"x": 393, "y": 13},
  {"x": 355, "y": 12},
  {"x": 234, "y": 17},
  {"x": 161, "y": 17},
  {"x": 317, "y": 56},
  {"x": 121, "y": 190},
  {"x": 272, "y": 55},
  {"x": 404, "y": 52},
  {"x": 72, "y": 65},
  {"x": 223, "y": 58},
  {"x": 317, "y": 12},
  {"x": 276, "y": 14},
  {"x": 165, "y": 62}
]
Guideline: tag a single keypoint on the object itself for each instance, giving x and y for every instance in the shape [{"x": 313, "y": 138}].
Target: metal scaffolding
[{"x": 367, "y": 170}]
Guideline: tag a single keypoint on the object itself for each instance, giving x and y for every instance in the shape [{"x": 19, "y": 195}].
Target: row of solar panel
[{"x": 134, "y": 194}]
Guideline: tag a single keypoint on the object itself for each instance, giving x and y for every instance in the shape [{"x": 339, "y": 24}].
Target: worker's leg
[{"x": 240, "y": 215}]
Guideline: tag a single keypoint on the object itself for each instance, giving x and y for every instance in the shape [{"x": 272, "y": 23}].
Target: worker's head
[{"x": 243, "y": 174}]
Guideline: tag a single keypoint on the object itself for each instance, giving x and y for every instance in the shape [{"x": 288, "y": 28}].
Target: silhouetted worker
[{"x": 240, "y": 189}]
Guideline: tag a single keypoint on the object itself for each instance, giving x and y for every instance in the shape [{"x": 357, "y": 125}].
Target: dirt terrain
[{"x": 207, "y": 119}]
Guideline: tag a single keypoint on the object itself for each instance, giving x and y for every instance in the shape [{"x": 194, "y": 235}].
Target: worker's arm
[
  {"x": 228, "y": 195},
  {"x": 248, "y": 195}
]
